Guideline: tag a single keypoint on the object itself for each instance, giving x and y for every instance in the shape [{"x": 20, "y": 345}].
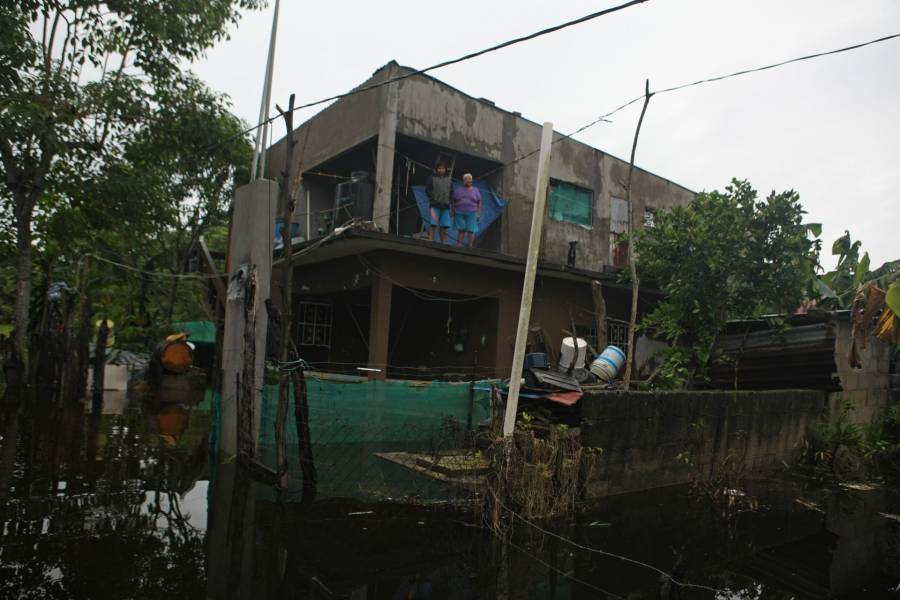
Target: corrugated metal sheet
[{"x": 796, "y": 357}]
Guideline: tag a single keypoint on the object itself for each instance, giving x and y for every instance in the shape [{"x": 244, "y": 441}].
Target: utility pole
[
  {"x": 534, "y": 247},
  {"x": 259, "y": 144},
  {"x": 632, "y": 249}
]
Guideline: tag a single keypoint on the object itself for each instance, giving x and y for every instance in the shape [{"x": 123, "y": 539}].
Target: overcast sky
[{"x": 828, "y": 128}]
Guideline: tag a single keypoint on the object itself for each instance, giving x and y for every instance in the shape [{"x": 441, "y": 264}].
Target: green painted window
[{"x": 571, "y": 203}]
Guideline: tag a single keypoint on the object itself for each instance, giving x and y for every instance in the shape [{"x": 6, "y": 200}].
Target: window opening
[
  {"x": 314, "y": 324},
  {"x": 571, "y": 204},
  {"x": 618, "y": 229}
]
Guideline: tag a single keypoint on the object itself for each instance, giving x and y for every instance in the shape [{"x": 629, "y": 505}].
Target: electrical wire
[
  {"x": 198, "y": 276},
  {"x": 563, "y": 573},
  {"x": 606, "y": 553},
  {"x": 605, "y": 117},
  {"x": 446, "y": 63},
  {"x": 602, "y": 118}
]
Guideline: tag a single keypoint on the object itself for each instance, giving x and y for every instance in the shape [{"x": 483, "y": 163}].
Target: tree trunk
[
  {"x": 632, "y": 247},
  {"x": 99, "y": 366},
  {"x": 82, "y": 351},
  {"x": 23, "y": 278}
]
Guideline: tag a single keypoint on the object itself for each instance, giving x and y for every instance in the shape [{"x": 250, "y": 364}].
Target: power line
[
  {"x": 605, "y": 117},
  {"x": 451, "y": 61},
  {"x": 606, "y": 553},
  {"x": 775, "y": 65}
]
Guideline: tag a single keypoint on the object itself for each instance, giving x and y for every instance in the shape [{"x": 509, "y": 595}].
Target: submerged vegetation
[{"x": 840, "y": 448}]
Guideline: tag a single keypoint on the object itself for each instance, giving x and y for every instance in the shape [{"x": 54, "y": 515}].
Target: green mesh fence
[
  {"x": 571, "y": 203},
  {"x": 351, "y": 421}
]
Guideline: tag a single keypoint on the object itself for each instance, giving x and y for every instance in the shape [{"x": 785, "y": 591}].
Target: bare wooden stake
[
  {"x": 287, "y": 271},
  {"x": 602, "y": 337},
  {"x": 632, "y": 252}
]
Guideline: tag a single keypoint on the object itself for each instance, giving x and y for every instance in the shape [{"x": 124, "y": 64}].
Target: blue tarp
[{"x": 491, "y": 207}]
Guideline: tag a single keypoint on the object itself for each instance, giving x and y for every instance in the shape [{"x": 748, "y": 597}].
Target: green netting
[
  {"x": 378, "y": 411},
  {"x": 571, "y": 203},
  {"x": 203, "y": 332},
  {"x": 352, "y": 421}
]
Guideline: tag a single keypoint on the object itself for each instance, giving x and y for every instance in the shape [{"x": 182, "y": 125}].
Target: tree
[
  {"x": 725, "y": 255},
  {"x": 77, "y": 79},
  {"x": 146, "y": 209},
  {"x": 837, "y": 289}
]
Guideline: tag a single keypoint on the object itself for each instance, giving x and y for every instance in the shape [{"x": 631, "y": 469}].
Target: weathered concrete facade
[
  {"x": 401, "y": 306},
  {"x": 361, "y": 132},
  {"x": 865, "y": 392}
]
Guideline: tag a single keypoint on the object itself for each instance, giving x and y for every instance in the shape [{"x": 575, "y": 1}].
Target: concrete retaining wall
[
  {"x": 865, "y": 390},
  {"x": 655, "y": 439}
]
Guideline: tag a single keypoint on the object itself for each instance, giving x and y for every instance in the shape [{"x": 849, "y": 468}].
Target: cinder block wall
[
  {"x": 655, "y": 439},
  {"x": 865, "y": 390}
]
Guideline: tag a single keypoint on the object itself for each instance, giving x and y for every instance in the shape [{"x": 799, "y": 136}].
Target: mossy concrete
[{"x": 656, "y": 439}]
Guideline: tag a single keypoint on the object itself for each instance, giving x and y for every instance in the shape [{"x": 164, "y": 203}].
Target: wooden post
[
  {"x": 602, "y": 337},
  {"x": 211, "y": 268},
  {"x": 534, "y": 246},
  {"x": 99, "y": 366},
  {"x": 287, "y": 282},
  {"x": 632, "y": 247},
  {"x": 379, "y": 325}
]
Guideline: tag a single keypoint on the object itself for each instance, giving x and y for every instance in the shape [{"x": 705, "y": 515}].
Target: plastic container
[
  {"x": 537, "y": 360},
  {"x": 568, "y": 351},
  {"x": 608, "y": 364}
]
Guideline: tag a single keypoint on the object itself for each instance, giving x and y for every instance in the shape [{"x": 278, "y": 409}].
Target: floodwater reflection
[{"x": 126, "y": 503}]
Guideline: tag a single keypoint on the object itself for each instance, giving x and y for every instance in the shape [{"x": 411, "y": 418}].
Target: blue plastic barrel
[{"x": 608, "y": 364}]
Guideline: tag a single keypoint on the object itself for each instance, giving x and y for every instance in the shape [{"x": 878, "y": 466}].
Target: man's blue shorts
[
  {"x": 466, "y": 222},
  {"x": 439, "y": 217}
]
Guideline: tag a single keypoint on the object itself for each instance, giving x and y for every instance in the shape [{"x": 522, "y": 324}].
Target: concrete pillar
[
  {"x": 379, "y": 325},
  {"x": 384, "y": 169},
  {"x": 252, "y": 229}
]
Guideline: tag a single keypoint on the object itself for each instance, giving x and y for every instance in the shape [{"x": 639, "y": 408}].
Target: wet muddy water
[{"x": 129, "y": 504}]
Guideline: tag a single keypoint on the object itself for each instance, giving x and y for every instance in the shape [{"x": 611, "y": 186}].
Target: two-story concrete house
[{"x": 390, "y": 299}]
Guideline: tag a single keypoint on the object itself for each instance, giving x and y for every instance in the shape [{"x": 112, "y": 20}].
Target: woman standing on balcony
[{"x": 467, "y": 210}]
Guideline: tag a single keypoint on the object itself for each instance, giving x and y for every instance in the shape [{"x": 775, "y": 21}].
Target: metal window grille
[
  {"x": 314, "y": 324},
  {"x": 649, "y": 218},
  {"x": 617, "y": 333}
]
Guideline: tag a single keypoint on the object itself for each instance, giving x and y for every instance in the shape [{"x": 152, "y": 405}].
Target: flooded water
[{"x": 128, "y": 504}]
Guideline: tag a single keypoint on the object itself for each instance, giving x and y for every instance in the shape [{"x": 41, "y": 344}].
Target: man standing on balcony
[
  {"x": 467, "y": 210},
  {"x": 439, "y": 190}
]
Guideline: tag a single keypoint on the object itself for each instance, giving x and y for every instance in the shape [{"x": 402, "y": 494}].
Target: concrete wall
[
  {"x": 654, "y": 439},
  {"x": 431, "y": 110},
  {"x": 865, "y": 390},
  {"x": 336, "y": 129}
]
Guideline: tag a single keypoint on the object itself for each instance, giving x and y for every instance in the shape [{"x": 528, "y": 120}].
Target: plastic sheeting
[
  {"x": 571, "y": 204},
  {"x": 492, "y": 206}
]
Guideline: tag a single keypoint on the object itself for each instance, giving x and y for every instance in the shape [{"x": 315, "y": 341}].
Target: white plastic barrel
[
  {"x": 569, "y": 347},
  {"x": 607, "y": 365}
]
